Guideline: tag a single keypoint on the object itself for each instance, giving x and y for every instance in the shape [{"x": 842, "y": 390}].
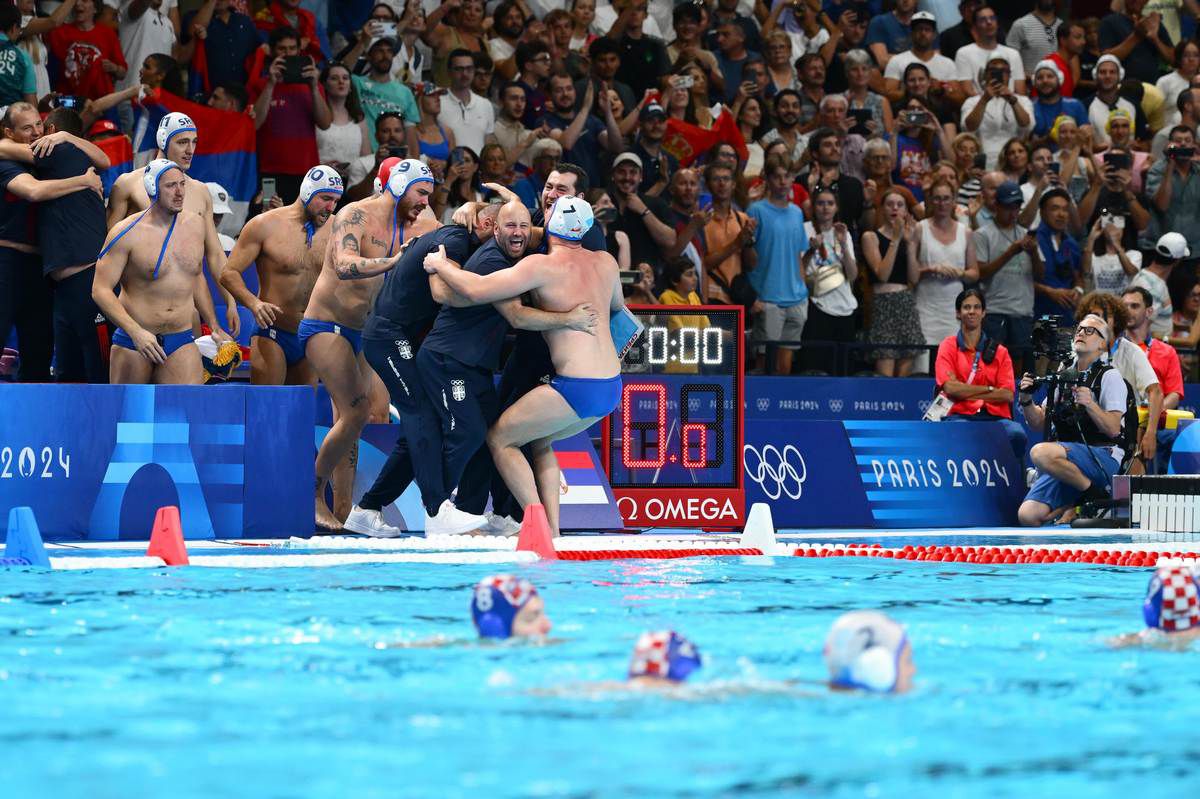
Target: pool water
[{"x": 272, "y": 683}]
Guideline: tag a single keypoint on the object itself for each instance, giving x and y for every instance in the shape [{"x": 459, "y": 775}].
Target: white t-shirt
[
  {"x": 150, "y": 33},
  {"x": 940, "y": 67},
  {"x": 500, "y": 50},
  {"x": 1108, "y": 273},
  {"x": 606, "y": 17},
  {"x": 972, "y": 58},
  {"x": 1160, "y": 324},
  {"x": 1113, "y": 394},
  {"x": 1134, "y": 366},
  {"x": 999, "y": 124},
  {"x": 840, "y": 301},
  {"x": 471, "y": 123}
]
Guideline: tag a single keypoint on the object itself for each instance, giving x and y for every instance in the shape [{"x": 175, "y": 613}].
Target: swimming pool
[{"x": 270, "y": 683}]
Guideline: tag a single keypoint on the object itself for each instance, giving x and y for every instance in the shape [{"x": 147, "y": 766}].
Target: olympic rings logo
[{"x": 777, "y": 472}]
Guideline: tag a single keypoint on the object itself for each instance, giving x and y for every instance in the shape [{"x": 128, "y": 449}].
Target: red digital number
[
  {"x": 659, "y": 426},
  {"x": 702, "y": 445}
]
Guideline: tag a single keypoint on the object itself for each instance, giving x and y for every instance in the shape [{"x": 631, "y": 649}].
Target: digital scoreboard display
[{"x": 673, "y": 446}]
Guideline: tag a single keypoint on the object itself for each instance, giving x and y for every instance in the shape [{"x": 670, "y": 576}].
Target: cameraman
[
  {"x": 1084, "y": 446},
  {"x": 1129, "y": 359},
  {"x": 976, "y": 372}
]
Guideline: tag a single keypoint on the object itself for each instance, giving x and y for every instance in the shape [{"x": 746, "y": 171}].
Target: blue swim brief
[
  {"x": 311, "y": 327},
  {"x": 589, "y": 396},
  {"x": 169, "y": 341},
  {"x": 1057, "y": 494},
  {"x": 293, "y": 349}
]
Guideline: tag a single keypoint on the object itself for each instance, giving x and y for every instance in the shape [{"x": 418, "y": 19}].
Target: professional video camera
[{"x": 1052, "y": 342}]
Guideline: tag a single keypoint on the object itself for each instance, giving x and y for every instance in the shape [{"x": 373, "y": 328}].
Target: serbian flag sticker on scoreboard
[
  {"x": 585, "y": 500},
  {"x": 582, "y": 483}
]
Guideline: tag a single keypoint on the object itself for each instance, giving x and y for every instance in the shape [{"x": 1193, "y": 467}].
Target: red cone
[
  {"x": 535, "y": 534},
  {"x": 166, "y": 539}
]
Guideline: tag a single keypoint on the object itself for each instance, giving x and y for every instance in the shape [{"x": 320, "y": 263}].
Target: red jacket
[{"x": 273, "y": 17}]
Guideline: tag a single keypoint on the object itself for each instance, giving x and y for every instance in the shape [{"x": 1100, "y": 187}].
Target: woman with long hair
[
  {"x": 1106, "y": 262},
  {"x": 1187, "y": 63},
  {"x": 966, "y": 149},
  {"x": 1185, "y": 332},
  {"x": 462, "y": 181},
  {"x": 920, "y": 139},
  {"x": 347, "y": 137},
  {"x": 890, "y": 251},
  {"x": 1014, "y": 161},
  {"x": 1076, "y": 170},
  {"x": 945, "y": 260},
  {"x": 829, "y": 273},
  {"x": 583, "y": 12},
  {"x": 494, "y": 166},
  {"x": 686, "y": 93},
  {"x": 751, "y": 121}
]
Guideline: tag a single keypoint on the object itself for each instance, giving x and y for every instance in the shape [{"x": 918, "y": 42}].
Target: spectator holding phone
[
  {"x": 860, "y": 97},
  {"x": 1119, "y": 128},
  {"x": 1106, "y": 263},
  {"x": 974, "y": 61},
  {"x": 462, "y": 181},
  {"x": 289, "y": 109},
  {"x": 147, "y": 26},
  {"x": 391, "y": 138},
  {"x": 1173, "y": 185},
  {"x": 347, "y": 138},
  {"x": 918, "y": 138},
  {"x": 999, "y": 111}
]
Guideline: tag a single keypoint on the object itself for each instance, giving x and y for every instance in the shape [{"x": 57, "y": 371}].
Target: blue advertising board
[
  {"x": 837, "y": 398},
  {"x": 98, "y": 461}
]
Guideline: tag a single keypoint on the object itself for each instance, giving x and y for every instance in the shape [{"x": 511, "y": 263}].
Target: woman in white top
[
  {"x": 829, "y": 272},
  {"x": 1187, "y": 63},
  {"x": 32, "y": 29},
  {"x": 1105, "y": 261},
  {"x": 945, "y": 258},
  {"x": 347, "y": 138}
]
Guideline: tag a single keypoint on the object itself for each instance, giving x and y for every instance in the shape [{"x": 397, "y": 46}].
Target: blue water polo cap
[
  {"x": 665, "y": 654},
  {"x": 496, "y": 602}
]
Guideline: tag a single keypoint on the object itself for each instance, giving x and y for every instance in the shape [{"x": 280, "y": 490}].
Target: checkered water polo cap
[
  {"x": 1172, "y": 599},
  {"x": 665, "y": 654},
  {"x": 496, "y": 602}
]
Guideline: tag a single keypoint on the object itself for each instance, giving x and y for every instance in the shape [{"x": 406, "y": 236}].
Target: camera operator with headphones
[{"x": 1087, "y": 436}]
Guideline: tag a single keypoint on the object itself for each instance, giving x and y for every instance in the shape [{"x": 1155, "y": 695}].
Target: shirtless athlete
[
  {"x": 287, "y": 245},
  {"x": 155, "y": 257},
  {"x": 587, "y": 385},
  {"x": 364, "y": 242},
  {"x": 177, "y": 140}
]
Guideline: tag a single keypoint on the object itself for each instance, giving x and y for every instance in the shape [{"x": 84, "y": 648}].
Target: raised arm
[
  {"x": 45, "y": 145},
  {"x": 39, "y": 25},
  {"x": 349, "y": 226}
]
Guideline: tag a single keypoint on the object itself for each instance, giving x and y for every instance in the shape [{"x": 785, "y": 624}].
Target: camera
[
  {"x": 996, "y": 75},
  {"x": 1181, "y": 153},
  {"x": 293, "y": 68},
  {"x": 1051, "y": 341},
  {"x": 914, "y": 117}
]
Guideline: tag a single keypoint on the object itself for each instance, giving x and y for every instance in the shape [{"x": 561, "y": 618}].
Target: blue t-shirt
[
  {"x": 586, "y": 152},
  {"x": 1044, "y": 114},
  {"x": 885, "y": 29},
  {"x": 404, "y": 306},
  {"x": 71, "y": 229},
  {"x": 473, "y": 335},
  {"x": 780, "y": 239}
]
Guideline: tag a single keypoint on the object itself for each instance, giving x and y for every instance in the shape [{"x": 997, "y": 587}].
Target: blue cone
[{"x": 24, "y": 544}]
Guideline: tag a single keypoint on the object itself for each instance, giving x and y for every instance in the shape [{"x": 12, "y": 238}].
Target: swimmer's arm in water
[
  {"x": 582, "y": 317},
  {"x": 245, "y": 252},
  {"x": 27, "y": 187},
  {"x": 109, "y": 270},
  {"x": 526, "y": 275},
  {"x": 349, "y": 227},
  {"x": 45, "y": 145}
]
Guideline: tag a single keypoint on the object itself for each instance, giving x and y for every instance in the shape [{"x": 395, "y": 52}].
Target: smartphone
[
  {"x": 1055, "y": 167},
  {"x": 915, "y": 117},
  {"x": 705, "y": 202},
  {"x": 860, "y": 116},
  {"x": 996, "y": 75},
  {"x": 401, "y": 151},
  {"x": 684, "y": 82},
  {"x": 387, "y": 29},
  {"x": 980, "y": 161},
  {"x": 293, "y": 68},
  {"x": 1110, "y": 219},
  {"x": 268, "y": 190},
  {"x": 456, "y": 156},
  {"x": 69, "y": 101},
  {"x": 1118, "y": 160}
]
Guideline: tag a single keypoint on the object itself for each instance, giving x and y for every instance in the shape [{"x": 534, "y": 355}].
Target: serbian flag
[
  {"x": 120, "y": 153},
  {"x": 688, "y": 142},
  {"x": 225, "y": 152}
]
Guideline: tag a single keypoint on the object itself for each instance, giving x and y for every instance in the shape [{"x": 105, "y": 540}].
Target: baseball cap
[
  {"x": 1172, "y": 245},
  {"x": 923, "y": 16},
  {"x": 1009, "y": 193},
  {"x": 627, "y": 157},
  {"x": 102, "y": 126},
  {"x": 220, "y": 198},
  {"x": 652, "y": 109},
  {"x": 429, "y": 89},
  {"x": 390, "y": 41}
]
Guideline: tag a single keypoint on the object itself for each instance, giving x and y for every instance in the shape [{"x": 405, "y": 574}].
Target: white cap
[
  {"x": 863, "y": 650},
  {"x": 320, "y": 179},
  {"x": 405, "y": 174},
  {"x": 922, "y": 16},
  {"x": 1113, "y": 59},
  {"x": 172, "y": 124},
  {"x": 570, "y": 218},
  {"x": 632, "y": 158},
  {"x": 153, "y": 174},
  {"x": 220, "y": 198},
  {"x": 1046, "y": 63},
  {"x": 1173, "y": 245}
]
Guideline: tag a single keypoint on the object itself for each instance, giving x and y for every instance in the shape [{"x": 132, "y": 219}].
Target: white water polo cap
[
  {"x": 153, "y": 175},
  {"x": 863, "y": 651},
  {"x": 405, "y": 174},
  {"x": 570, "y": 218},
  {"x": 320, "y": 179},
  {"x": 172, "y": 125}
]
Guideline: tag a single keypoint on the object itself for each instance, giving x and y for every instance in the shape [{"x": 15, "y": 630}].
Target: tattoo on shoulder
[
  {"x": 357, "y": 217},
  {"x": 350, "y": 243}
]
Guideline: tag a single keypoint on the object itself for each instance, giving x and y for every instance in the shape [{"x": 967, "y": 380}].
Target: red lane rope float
[
  {"x": 1002, "y": 555},
  {"x": 616, "y": 554}
]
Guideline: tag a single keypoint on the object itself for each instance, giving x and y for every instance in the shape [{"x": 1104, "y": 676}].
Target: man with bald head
[{"x": 458, "y": 358}]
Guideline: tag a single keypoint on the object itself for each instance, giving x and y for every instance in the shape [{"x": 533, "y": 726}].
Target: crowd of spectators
[{"x": 843, "y": 169}]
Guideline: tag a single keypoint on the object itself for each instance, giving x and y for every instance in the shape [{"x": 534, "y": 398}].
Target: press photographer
[{"x": 1087, "y": 432}]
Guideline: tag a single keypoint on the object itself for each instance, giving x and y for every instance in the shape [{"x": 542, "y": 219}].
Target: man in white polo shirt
[{"x": 470, "y": 116}]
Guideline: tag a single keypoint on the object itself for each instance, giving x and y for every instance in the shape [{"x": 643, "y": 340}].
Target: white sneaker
[
  {"x": 370, "y": 522},
  {"x": 452, "y": 521},
  {"x": 1031, "y": 475},
  {"x": 501, "y": 525}
]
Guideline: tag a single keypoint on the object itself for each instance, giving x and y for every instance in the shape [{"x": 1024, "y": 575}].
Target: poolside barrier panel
[
  {"x": 24, "y": 545},
  {"x": 166, "y": 538}
]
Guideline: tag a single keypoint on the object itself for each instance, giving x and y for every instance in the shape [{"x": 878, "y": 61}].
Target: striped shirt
[{"x": 1033, "y": 39}]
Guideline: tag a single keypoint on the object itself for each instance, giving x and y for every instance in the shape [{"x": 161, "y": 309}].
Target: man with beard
[
  {"x": 363, "y": 242},
  {"x": 787, "y": 125},
  {"x": 941, "y": 69},
  {"x": 177, "y": 140},
  {"x": 1072, "y": 38},
  {"x": 657, "y": 164},
  {"x": 287, "y": 245},
  {"x": 379, "y": 91},
  {"x": 972, "y": 58},
  {"x": 583, "y": 135},
  {"x": 1050, "y": 104},
  {"x": 1035, "y": 35}
]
